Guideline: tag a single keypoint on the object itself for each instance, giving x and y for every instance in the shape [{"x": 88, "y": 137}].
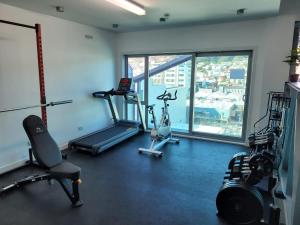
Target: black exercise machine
[
  {"x": 120, "y": 130},
  {"x": 49, "y": 158}
]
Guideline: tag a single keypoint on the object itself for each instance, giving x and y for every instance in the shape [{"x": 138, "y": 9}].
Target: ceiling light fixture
[
  {"x": 59, "y": 8},
  {"x": 130, "y": 6},
  {"x": 241, "y": 11}
]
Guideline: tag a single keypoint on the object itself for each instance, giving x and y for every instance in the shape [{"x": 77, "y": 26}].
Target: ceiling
[{"x": 103, "y": 14}]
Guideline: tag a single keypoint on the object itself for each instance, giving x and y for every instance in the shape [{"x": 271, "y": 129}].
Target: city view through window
[
  {"x": 219, "y": 101},
  {"x": 219, "y": 90},
  {"x": 171, "y": 73}
]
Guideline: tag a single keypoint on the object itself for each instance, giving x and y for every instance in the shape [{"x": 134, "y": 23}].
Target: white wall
[
  {"x": 74, "y": 68},
  {"x": 271, "y": 40}
]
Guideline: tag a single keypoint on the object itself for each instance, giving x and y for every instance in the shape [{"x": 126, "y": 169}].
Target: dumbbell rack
[
  {"x": 276, "y": 102},
  {"x": 248, "y": 191},
  {"x": 245, "y": 197}
]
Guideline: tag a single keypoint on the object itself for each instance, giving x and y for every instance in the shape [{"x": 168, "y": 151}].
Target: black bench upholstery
[
  {"x": 65, "y": 170},
  {"x": 48, "y": 156}
]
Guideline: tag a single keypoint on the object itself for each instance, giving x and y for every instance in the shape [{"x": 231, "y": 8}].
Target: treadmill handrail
[
  {"x": 112, "y": 92},
  {"x": 102, "y": 94}
]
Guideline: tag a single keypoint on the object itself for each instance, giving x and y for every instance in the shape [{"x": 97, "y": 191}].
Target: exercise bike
[{"x": 161, "y": 134}]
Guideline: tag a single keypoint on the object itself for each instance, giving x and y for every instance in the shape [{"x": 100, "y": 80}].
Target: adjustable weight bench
[{"x": 49, "y": 158}]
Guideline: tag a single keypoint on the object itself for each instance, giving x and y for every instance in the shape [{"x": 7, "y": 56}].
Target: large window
[
  {"x": 216, "y": 105},
  {"x": 220, "y": 93},
  {"x": 171, "y": 73}
]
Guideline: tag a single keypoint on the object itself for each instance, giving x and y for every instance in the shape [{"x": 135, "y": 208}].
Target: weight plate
[
  {"x": 237, "y": 156},
  {"x": 261, "y": 139},
  {"x": 239, "y": 204},
  {"x": 261, "y": 164},
  {"x": 252, "y": 178}
]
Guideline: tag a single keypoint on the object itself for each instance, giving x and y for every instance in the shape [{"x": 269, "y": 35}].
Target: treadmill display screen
[{"x": 125, "y": 84}]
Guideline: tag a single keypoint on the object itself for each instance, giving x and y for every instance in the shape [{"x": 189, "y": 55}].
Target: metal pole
[
  {"x": 35, "y": 106},
  {"x": 17, "y": 24},
  {"x": 41, "y": 72},
  {"x": 192, "y": 94},
  {"x": 37, "y": 28},
  {"x": 146, "y": 89}
]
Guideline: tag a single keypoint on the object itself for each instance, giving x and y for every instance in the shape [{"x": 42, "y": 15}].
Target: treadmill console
[
  {"x": 123, "y": 89},
  {"x": 124, "y": 85}
]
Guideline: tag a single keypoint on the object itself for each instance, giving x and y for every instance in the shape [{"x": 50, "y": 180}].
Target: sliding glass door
[
  {"x": 171, "y": 73},
  {"x": 220, "y": 93},
  {"x": 213, "y": 90}
]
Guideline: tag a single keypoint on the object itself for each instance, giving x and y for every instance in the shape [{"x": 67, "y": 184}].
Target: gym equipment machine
[
  {"x": 243, "y": 197},
  {"x": 264, "y": 138},
  {"x": 45, "y": 150},
  {"x": 49, "y": 158},
  {"x": 120, "y": 130},
  {"x": 161, "y": 134},
  {"x": 38, "y": 35}
]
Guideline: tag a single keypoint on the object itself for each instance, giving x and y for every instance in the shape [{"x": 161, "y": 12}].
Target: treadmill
[{"x": 120, "y": 130}]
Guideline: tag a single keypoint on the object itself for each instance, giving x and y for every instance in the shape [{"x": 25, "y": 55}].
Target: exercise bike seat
[{"x": 65, "y": 170}]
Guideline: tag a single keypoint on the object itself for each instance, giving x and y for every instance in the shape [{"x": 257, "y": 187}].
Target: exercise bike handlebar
[
  {"x": 160, "y": 97},
  {"x": 167, "y": 96}
]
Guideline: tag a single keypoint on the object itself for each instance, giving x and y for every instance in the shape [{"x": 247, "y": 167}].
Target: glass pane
[
  {"x": 136, "y": 70},
  {"x": 171, "y": 73},
  {"x": 132, "y": 112},
  {"x": 219, "y": 101}
]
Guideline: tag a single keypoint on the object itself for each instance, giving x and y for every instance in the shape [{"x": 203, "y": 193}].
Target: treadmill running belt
[{"x": 104, "y": 135}]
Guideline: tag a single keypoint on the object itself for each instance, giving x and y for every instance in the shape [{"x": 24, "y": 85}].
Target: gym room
[{"x": 149, "y": 112}]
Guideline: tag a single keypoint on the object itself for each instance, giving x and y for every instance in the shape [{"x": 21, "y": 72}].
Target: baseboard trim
[
  {"x": 12, "y": 166},
  {"x": 211, "y": 139},
  {"x": 17, "y": 164}
]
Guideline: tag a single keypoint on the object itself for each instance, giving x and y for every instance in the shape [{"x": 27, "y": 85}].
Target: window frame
[
  {"x": 190, "y": 132},
  {"x": 296, "y": 39}
]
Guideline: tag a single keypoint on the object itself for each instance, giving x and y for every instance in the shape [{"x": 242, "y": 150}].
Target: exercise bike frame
[{"x": 160, "y": 139}]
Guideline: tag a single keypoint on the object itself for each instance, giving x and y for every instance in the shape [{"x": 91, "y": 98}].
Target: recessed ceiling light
[
  {"x": 115, "y": 26},
  {"x": 59, "y": 8},
  {"x": 129, "y": 5},
  {"x": 167, "y": 15},
  {"x": 241, "y": 11}
]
